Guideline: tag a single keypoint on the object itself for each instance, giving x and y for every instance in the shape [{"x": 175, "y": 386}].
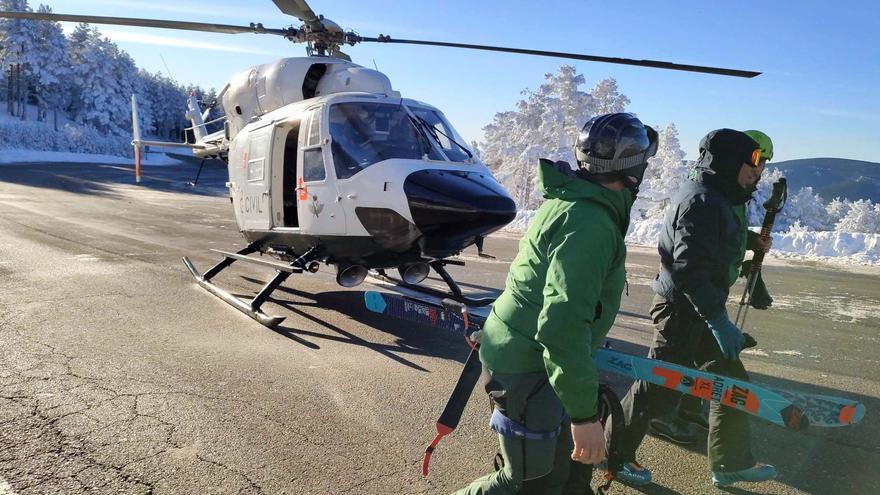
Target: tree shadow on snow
[{"x": 100, "y": 179}]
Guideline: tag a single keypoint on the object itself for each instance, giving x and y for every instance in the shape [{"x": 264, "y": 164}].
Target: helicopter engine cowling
[
  {"x": 265, "y": 88},
  {"x": 453, "y": 208}
]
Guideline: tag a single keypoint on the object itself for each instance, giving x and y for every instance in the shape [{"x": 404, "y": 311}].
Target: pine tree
[
  {"x": 105, "y": 79},
  {"x": 51, "y": 71},
  {"x": 18, "y": 54}
]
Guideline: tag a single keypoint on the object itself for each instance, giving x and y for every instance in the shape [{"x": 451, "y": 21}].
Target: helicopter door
[
  {"x": 255, "y": 199},
  {"x": 285, "y": 173},
  {"x": 318, "y": 202}
]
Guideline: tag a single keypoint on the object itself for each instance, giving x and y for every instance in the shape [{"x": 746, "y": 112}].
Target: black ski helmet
[{"x": 618, "y": 144}]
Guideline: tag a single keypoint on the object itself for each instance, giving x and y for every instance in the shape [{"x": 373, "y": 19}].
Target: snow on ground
[
  {"x": 796, "y": 244},
  {"x": 839, "y": 306},
  {"x": 8, "y": 156}
]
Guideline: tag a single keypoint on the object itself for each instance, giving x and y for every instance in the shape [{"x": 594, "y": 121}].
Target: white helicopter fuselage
[{"x": 290, "y": 192}]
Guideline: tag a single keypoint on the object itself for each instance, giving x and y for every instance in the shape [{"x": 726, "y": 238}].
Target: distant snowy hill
[{"x": 833, "y": 177}]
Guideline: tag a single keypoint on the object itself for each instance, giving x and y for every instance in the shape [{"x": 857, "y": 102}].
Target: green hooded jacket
[{"x": 563, "y": 289}]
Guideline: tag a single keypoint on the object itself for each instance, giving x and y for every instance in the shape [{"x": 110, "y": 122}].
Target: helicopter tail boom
[{"x": 206, "y": 145}]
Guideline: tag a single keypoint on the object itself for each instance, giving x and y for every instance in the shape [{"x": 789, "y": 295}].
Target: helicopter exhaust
[
  {"x": 414, "y": 273},
  {"x": 350, "y": 275}
]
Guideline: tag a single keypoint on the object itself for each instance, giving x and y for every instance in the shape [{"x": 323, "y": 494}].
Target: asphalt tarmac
[{"x": 118, "y": 374}]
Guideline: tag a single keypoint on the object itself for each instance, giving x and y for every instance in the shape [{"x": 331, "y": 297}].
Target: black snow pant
[
  {"x": 534, "y": 467},
  {"x": 682, "y": 337}
]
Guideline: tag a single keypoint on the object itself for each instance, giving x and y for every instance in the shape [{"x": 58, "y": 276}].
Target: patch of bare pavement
[{"x": 119, "y": 375}]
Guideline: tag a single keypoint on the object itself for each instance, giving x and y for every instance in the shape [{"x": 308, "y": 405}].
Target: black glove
[{"x": 760, "y": 297}]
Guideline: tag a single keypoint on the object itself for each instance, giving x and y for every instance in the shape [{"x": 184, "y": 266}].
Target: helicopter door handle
[{"x": 351, "y": 196}]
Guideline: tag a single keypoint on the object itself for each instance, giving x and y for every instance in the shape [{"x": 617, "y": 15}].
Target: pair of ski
[{"x": 789, "y": 409}]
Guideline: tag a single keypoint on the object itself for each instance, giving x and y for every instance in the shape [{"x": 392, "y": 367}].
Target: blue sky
[{"x": 816, "y": 98}]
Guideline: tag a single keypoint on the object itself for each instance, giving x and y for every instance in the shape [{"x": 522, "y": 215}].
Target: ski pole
[{"x": 773, "y": 206}]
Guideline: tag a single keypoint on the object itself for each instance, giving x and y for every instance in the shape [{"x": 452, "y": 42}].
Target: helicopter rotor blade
[
  {"x": 657, "y": 64},
  {"x": 153, "y": 23},
  {"x": 297, "y": 8}
]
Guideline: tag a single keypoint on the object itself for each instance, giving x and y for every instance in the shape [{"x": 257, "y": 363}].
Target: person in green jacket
[
  {"x": 677, "y": 426},
  {"x": 560, "y": 299}
]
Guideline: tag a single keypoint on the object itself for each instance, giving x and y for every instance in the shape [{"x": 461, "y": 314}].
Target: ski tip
[{"x": 374, "y": 301}]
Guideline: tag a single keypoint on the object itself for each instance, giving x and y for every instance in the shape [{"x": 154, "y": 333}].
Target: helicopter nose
[{"x": 453, "y": 208}]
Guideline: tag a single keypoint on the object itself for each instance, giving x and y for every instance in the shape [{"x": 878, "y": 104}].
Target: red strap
[{"x": 442, "y": 431}]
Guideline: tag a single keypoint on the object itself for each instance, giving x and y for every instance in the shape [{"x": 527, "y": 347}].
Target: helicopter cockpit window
[
  {"x": 442, "y": 132},
  {"x": 364, "y": 133}
]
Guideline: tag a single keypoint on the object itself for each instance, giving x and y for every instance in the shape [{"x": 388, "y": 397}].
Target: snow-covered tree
[
  {"x": 19, "y": 52},
  {"x": 863, "y": 216},
  {"x": 755, "y": 207},
  {"x": 808, "y": 208},
  {"x": 666, "y": 171},
  {"x": 607, "y": 97},
  {"x": 544, "y": 124},
  {"x": 51, "y": 72},
  {"x": 837, "y": 209},
  {"x": 105, "y": 78}
]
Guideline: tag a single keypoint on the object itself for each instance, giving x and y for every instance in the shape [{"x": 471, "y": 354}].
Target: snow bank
[
  {"x": 74, "y": 138},
  {"x": 796, "y": 243},
  {"x": 853, "y": 247},
  {"x": 645, "y": 232},
  {"x": 30, "y": 156}
]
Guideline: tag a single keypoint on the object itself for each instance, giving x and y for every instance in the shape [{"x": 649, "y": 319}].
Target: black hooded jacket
[{"x": 702, "y": 235}]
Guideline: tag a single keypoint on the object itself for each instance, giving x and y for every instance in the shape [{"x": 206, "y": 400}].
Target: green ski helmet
[{"x": 764, "y": 142}]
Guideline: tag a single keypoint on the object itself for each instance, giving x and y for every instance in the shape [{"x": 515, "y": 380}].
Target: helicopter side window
[
  {"x": 314, "y": 137},
  {"x": 364, "y": 133},
  {"x": 313, "y": 158},
  {"x": 313, "y": 165}
]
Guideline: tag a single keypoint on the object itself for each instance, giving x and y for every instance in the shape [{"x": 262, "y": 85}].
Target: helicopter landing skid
[
  {"x": 251, "y": 308},
  {"x": 454, "y": 294}
]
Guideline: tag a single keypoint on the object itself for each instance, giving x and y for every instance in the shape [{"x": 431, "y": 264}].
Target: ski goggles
[{"x": 755, "y": 159}]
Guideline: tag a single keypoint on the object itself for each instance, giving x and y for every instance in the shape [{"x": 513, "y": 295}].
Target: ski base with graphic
[{"x": 785, "y": 408}]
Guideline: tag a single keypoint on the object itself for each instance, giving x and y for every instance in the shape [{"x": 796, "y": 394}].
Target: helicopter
[{"x": 329, "y": 164}]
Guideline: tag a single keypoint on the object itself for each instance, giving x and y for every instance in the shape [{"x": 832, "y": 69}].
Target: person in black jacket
[{"x": 701, "y": 239}]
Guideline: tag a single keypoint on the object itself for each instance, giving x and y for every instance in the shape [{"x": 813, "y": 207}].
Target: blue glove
[{"x": 729, "y": 338}]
